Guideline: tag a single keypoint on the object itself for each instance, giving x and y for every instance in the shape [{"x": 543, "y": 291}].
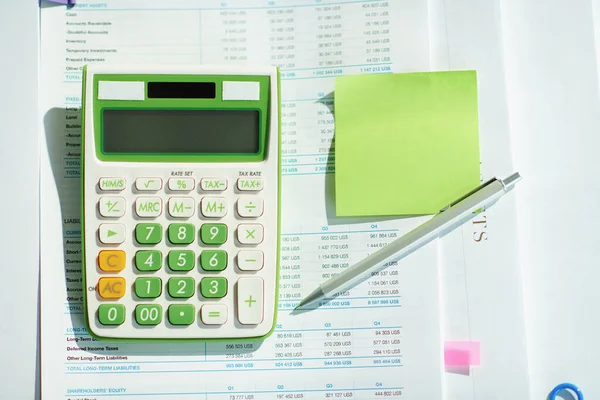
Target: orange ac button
[
  {"x": 111, "y": 260},
  {"x": 111, "y": 288}
]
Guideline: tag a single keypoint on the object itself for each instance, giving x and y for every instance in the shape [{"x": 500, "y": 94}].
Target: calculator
[{"x": 180, "y": 201}]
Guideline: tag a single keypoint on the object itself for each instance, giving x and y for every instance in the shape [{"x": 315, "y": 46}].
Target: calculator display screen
[{"x": 180, "y": 131}]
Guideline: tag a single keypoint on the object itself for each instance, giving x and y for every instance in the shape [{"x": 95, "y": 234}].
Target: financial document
[{"x": 380, "y": 340}]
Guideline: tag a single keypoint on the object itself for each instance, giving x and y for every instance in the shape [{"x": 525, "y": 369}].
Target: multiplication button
[
  {"x": 250, "y": 233},
  {"x": 111, "y": 206}
]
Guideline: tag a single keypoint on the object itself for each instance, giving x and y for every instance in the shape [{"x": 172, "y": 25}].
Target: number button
[
  {"x": 250, "y": 300},
  {"x": 148, "y": 314},
  {"x": 148, "y": 288},
  {"x": 255, "y": 184},
  {"x": 111, "y": 314},
  {"x": 214, "y": 314},
  {"x": 182, "y": 314},
  {"x": 148, "y": 207},
  {"x": 111, "y": 184},
  {"x": 181, "y": 233},
  {"x": 216, "y": 184},
  {"x": 111, "y": 233},
  {"x": 111, "y": 206},
  {"x": 213, "y": 207},
  {"x": 250, "y": 260},
  {"x": 111, "y": 288},
  {"x": 111, "y": 260},
  {"x": 182, "y": 287},
  {"x": 213, "y": 260},
  {"x": 250, "y": 233},
  {"x": 213, "y": 233},
  {"x": 148, "y": 233},
  {"x": 181, "y": 207},
  {"x": 148, "y": 260},
  {"x": 181, "y": 260},
  {"x": 148, "y": 184},
  {"x": 250, "y": 207},
  {"x": 213, "y": 287},
  {"x": 181, "y": 184}
]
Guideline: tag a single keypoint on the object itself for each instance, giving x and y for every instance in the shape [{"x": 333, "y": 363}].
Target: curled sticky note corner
[{"x": 461, "y": 354}]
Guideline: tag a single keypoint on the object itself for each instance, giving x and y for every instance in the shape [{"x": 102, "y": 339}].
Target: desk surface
[{"x": 552, "y": 86}]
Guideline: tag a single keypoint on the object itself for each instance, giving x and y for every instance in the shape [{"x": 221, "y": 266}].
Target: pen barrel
[{"x": 436, "y": 227}]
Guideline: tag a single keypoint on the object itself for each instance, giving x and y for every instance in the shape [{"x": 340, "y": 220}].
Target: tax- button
[
  {"x": 148, "y": 207},
  {"x": 111, "y": 288},
  {"x": 250, "y": 233},
  {"x": 111, "y": 260},
  {"x": 216, "y": 184},
  {"x": 111, "y": 206},
  {"x": 250, "y": 300},
  {"x": 250, "y": 184},
  {"x": 111, "y": 233},
  {"x": 111, "y": 184}
]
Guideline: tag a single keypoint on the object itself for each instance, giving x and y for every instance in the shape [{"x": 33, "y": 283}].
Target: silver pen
[{"x": 449, "y": 218}]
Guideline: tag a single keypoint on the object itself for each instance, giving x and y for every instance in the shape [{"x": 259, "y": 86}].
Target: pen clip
[{"x": 478, "y": 188}]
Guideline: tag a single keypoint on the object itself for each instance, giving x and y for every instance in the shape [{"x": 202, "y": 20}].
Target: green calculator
[{"x": 180, "y": 201}]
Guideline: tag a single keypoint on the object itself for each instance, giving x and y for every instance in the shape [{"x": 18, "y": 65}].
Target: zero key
[{"x": 250, "y": 300}]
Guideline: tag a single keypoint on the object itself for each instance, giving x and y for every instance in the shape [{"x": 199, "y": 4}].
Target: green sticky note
[{"x": 405, "y": 144}]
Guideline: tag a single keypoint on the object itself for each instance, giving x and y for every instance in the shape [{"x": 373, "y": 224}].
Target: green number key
[
  {"x": 148, "y": 233},
  {"x": 148, "y": 288},
  {"x": 148, "y": 260},
  {"x": 182, "y": 287},
  {"x": 111, "y": 314},
  {"x": 213, "y": 260},
  {"x": 181, "y": 233},
  {"x": 181, "y": 260},
  {"x": 213, "y": 233},
  {"x": 213, "y": 287},
  {"x": 148, "y": 314}
]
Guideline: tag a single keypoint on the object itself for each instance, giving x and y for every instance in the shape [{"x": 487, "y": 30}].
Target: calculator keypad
[{"x": 192, "y": 226}]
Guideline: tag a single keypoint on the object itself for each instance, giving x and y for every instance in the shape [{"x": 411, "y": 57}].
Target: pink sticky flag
[{"x": 461, "y": 353}]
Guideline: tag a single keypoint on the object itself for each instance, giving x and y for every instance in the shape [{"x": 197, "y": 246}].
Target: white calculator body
[{"x": 180, "y": 201}]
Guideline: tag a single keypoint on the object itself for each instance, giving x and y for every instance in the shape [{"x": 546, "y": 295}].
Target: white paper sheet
[{"x": 381, "y": 341}]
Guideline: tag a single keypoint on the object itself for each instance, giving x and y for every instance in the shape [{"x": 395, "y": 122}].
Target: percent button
[{"x": 181, "y": 184}]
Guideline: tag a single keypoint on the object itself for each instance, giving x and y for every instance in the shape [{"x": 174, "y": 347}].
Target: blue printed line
[
  {"x": 305, "y": 155},
  {"x": 308, "y": 165},
  {"x": 317, "y": 99},
  {"x": 227, "y": 8},
  {"x": 228, "y": 360},
  {"x": 324, "y": 308},
  {"x": 308, "y": 173},
  {"x": 236, "y": 392},
  {"x": 234, "y": 369},
  {"x": 355, "y": 298},
  {"x": 337, "y": 66},
  {"x": 338, "y": 233}
]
